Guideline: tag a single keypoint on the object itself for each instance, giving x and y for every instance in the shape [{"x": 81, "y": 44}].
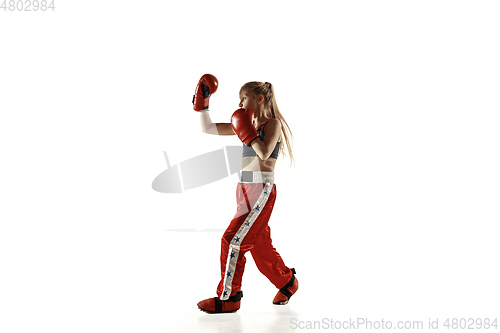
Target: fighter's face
[{"x": 247, "y": 100}]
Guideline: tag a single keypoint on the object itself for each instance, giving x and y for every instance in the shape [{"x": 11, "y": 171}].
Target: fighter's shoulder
[{"x": 273, "y": 123}]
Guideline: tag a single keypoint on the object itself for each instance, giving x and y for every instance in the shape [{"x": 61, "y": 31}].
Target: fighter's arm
[
  {"x": 207, "y": 126},
  {"x": 266, "y": 147}
]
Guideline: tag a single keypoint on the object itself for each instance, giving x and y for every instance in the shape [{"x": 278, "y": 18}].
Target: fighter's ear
[{"x": 260, "y": 98}]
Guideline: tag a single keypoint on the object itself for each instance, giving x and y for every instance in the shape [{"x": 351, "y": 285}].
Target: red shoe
[
  {"x": 216, "y": 305},
  {"x": 284, "y": 294}
]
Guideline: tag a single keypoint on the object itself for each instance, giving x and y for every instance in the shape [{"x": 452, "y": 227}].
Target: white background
[{"x": 391, "y": 210}]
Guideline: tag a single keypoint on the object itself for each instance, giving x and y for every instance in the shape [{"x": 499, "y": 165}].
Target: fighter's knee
[{"x": 226, "y": 239}]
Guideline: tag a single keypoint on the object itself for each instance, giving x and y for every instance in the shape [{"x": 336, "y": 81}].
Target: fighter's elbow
[
  {"x": 261, "y": 149},
  {"x": 264, "y": 154},
  {"x": 209, "y": 129}
]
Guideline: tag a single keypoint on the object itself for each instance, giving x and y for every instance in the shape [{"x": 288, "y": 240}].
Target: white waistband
[{"x": 257, "y": 177}]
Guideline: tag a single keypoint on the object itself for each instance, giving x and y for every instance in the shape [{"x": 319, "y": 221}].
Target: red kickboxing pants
[{"x": 249, "y": 231}]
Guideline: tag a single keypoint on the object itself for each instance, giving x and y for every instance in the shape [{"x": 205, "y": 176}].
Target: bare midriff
[{"x": 254, "y": 163}]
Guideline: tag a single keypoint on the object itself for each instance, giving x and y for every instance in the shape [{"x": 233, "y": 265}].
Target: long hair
[{"x": 271, "y": 111}]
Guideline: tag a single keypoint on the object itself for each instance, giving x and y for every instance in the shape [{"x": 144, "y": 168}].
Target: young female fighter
[{"x": 261, "y": 127}]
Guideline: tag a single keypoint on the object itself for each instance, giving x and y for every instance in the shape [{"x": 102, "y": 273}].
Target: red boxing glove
[
  {"x": 241, "y": 122},
  {"x": 205, "y": 88}
]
